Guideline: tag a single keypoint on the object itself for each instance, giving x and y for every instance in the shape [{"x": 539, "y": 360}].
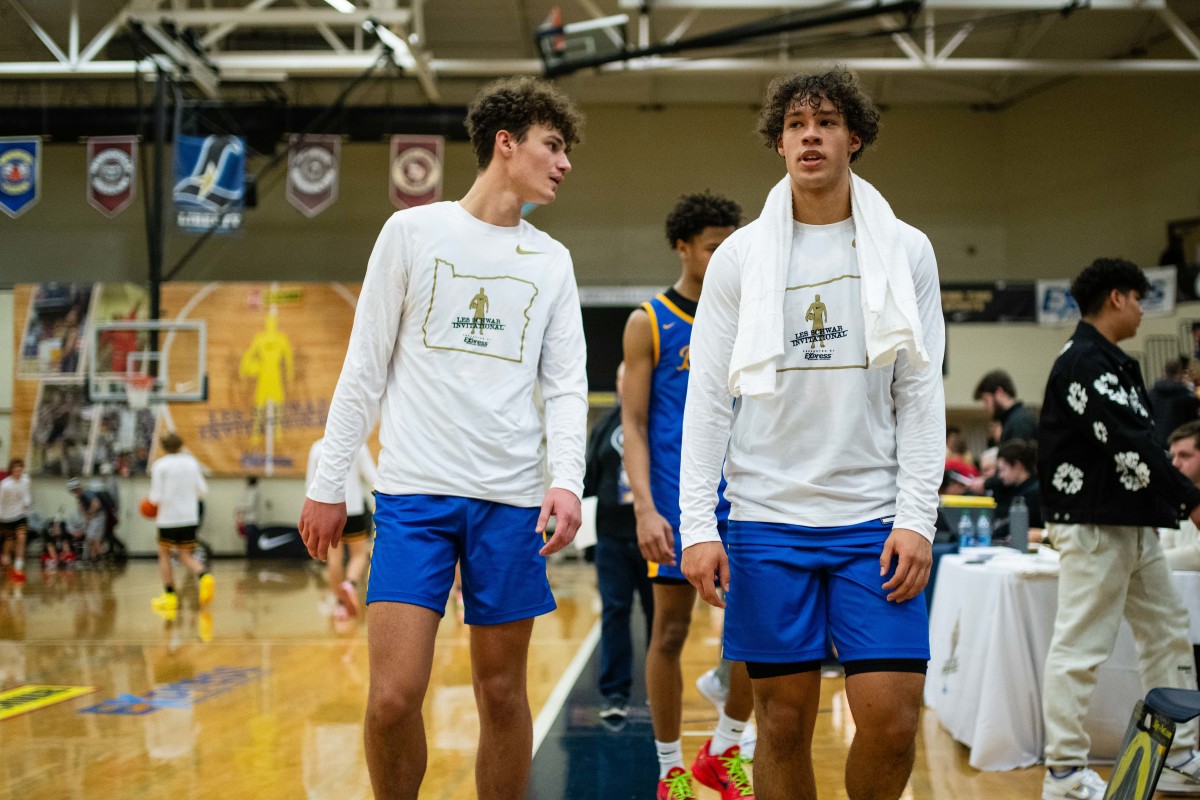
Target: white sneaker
[
  {"x": 748, "y": 741},
  {"x": 1183, "y": 779},
  {"x": 709, "y": 686},
  {"x": 1080, "y": 783}
]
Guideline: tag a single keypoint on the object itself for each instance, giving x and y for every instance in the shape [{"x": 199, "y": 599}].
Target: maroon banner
[
  {"x": 314, "y": 166},
  {"x": 112, "y": 172},
  {"x": 416, "y": 170}
]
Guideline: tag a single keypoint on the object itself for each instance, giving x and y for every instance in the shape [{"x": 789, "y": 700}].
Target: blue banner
[
  {"x": 1056, "y": 306},
  {"x": 20, "y": 174},
  {"x": 210, "y": 183}
]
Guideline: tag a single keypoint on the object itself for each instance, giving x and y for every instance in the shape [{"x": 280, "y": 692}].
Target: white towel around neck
[{"x": 889, "y": 303}]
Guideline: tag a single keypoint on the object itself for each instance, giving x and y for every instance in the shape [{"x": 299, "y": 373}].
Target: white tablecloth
[{"x": 989, "y": 632}]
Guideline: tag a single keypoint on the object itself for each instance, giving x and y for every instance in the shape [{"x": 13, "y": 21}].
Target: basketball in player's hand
[{"x": 148, "y": 509}]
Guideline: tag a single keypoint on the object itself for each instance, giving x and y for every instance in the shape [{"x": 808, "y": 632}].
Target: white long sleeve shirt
[
  {"x": 15, "y": 498},
  {"x": 838, "y": 443},
  {"x": 362, "y": 472},
  {"x": 457, "y": 321},
  {"x": 176, "y": 486}
]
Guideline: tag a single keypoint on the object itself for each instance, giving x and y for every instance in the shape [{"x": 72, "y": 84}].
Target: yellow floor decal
[{"x": 31, "y": 698}]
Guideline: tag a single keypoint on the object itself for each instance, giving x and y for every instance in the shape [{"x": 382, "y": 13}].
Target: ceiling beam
[
  {"x": 953, "y": 65},
  {"x": 261, "y": 17},
  {"x": 271, "y": 66},
  {"x": 1182, "y": 32},
  {"x": 949, "y": 5},
  {"x": 214, "y": 37},
  {"x": 40, "y": 32}
]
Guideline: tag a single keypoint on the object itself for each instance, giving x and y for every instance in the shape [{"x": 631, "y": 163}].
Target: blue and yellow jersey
[{"x": 671, "y": 318}]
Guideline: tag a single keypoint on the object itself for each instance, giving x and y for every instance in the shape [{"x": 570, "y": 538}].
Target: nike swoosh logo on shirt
[
  {"x": 271, "y": 542},
  {"x": 668, "y": 325},
  {"x": 521, "y": 252}
]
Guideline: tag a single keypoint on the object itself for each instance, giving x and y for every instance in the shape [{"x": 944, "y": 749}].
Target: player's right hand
[
  {"x": 706, "y": 565},
  {"x": 656, "y": 537},
  {"x": 321, "y": 526}
]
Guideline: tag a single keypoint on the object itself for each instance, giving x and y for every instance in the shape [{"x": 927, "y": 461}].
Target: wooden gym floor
[{"x": 261, "y": 697}]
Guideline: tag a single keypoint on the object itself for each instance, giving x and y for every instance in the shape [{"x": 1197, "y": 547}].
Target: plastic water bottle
[
  {"x": 1018, "y": 525},
  {"x": 983, "y": 530},
  {"x": 966, "y": 530}
]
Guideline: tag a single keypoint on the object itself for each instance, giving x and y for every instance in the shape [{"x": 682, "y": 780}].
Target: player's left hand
[
  {"x": 913, "y": 555},
  {"x": 564, "y": 506}
]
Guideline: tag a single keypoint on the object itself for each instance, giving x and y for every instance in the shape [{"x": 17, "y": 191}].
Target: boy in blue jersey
[{"x": 657, "y": 365}]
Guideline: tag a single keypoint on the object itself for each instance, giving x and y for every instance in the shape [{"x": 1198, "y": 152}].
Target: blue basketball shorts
[
  {"x": 671, "y": 573},
  {"x": 419, "y": 539},
  {"x": 791, "y": 586}
]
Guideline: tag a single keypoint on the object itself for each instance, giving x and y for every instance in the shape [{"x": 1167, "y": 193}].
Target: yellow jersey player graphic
[
  {"x": 817, "y": 315},
  {"x": 479, "y": 304},
  {"x": 265, "y": 360}
]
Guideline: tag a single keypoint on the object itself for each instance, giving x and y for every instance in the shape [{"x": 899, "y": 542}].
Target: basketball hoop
[{"x": 137, "y": 390}]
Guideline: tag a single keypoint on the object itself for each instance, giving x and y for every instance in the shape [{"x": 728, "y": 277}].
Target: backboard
[{"x": 170, "y": 355}]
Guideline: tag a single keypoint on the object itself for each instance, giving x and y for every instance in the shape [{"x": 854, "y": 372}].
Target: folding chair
[{"x": 1147, "y": 740}]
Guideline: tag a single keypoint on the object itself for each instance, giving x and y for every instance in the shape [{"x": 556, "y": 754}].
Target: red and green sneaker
[
  {"x": 676, "y": 786},
  {"x": 725, "y": 773}
]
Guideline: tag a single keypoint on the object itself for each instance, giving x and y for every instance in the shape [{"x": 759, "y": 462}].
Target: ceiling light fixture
[{"x": 402, "y": 54}]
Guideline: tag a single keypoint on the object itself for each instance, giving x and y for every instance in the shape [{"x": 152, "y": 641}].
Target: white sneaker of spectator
[
  {"x": 1181, "y": 775},
  {"x": 1080, "y": 783}
]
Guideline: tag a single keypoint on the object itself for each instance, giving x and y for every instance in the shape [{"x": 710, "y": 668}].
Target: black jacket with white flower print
[{"x": 1098, "y": 462}]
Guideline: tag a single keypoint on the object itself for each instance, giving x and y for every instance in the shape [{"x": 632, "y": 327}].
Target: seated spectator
[
  {"x": 1016, "y": 467},
  {"x": 986, "y": 483},
  {"x": 958, "y": 454},
  {"x": 1173, "y": 400},
  {"x": 1182, "y": 546},
  {"x": 57, "y": 551},
  {"x": 987, "y": 462},
  {"x": 999, "y": 397}
]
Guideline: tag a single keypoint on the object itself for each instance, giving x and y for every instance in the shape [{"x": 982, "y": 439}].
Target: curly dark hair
[
  {"x": 1092, "y": 286},
  {"x": 695, "y": 212},
  {"x": 837, "y": 85},
  {"x": 515, "y": 105}
]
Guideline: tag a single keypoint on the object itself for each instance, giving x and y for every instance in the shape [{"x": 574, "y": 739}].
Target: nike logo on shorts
[{"x": 271, "y": 542}]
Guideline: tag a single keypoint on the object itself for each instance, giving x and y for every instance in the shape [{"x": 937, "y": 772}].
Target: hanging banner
[
  {"x": 20, "y": 173},
  {"x": 314, "y": 163},
  {"x": 1056, "y": 306},
  {"x": 1160, "y": 300},
  {"x": 988, "y": 302},
  {"x": 416, "y": 170},
  {"x": 112, "y": 172},
  {"x": 210, "y": 183}
]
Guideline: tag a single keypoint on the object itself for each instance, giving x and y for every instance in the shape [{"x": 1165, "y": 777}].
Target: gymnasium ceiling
[{"x": 980, "y": 53}]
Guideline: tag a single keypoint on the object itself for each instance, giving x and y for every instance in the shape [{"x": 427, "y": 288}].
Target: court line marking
[{"x": 558, "y": 697}]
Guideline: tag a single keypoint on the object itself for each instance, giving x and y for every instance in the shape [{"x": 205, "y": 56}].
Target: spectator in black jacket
[
  {"x": 621, "y": 572},
  {"x": 999, "y": 397},
  {"x": 1106, "y": 484}
]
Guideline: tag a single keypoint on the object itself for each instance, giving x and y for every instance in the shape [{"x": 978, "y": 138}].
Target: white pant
[{"x": 1106, "y": 572}]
